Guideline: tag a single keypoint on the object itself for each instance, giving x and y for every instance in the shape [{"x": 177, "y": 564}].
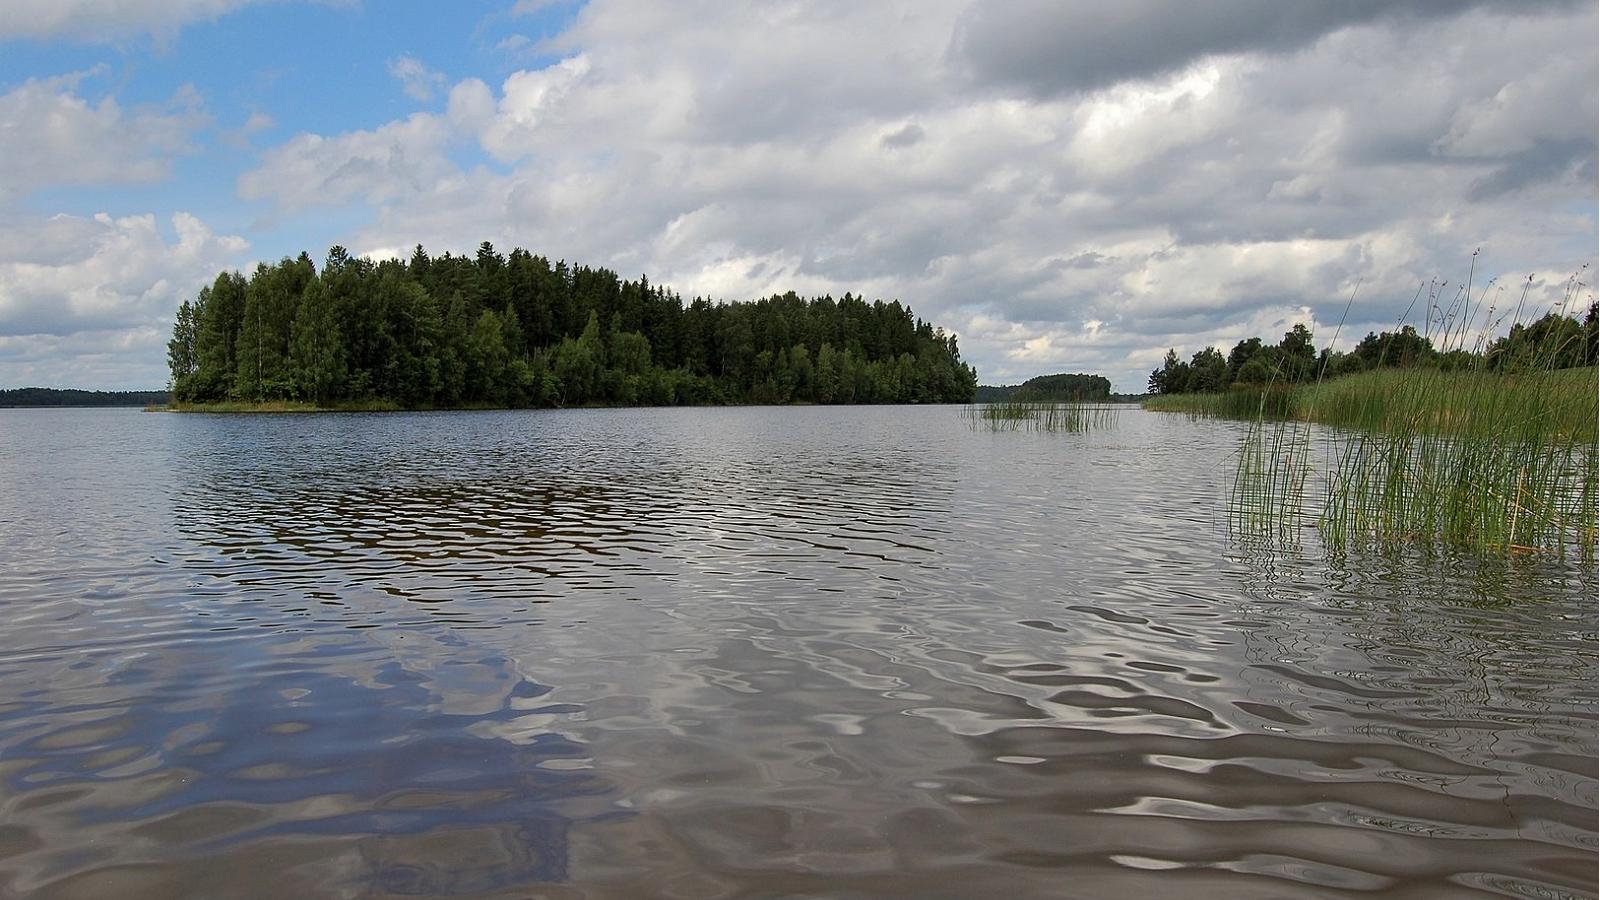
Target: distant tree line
[
  {"x": 1084, "y": 388},
  {"x": 518, "y": 331},
  {"x": 1554, "y": 341},
  {"x": 38, "y": 396}
]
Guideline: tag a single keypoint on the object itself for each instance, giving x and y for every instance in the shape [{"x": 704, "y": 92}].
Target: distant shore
[{"x": 40, "y": 397}]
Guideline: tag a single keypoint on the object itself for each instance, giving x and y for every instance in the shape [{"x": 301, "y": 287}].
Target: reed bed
[
  {"x": 1274, "y": 401},
  {"x": 1040, "y": 415},
  {"x": 1502, "y": 463},
  {"x": 1269, "y": 481},
  {"x": 1489, "y": 462},
  {"x": 1497, "y": 457}
]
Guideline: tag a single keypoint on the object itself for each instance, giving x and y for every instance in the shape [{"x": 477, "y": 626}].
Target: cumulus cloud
[
  {"x": 1069, "y": 186},
  {"x": 52, "y": 136},
  {"x": 105, "y": 274},
  {"x": 378, "y": 166}
]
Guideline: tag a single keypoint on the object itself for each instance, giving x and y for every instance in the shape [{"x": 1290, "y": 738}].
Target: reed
[
  {"x": 1241, "y": 401},
  {"x": 1040, "y": 415},
  {"x": 1486, "y": 461},
  {"x": 1502, "y": 463},
  {"x": 1269, "y": 480}
]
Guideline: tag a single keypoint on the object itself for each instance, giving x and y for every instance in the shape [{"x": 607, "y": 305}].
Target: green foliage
[
  {"x": 1035, "y": 415},
  {"x": 317, "y": 357},
  {"x": 1062, "y": 388},
  {"x": 182, "y": 357},
  {"x": 1402, "y": 349},
  {"x": 1208, "y": 371},
  {"x": 1490, "y": 447},
  {"x": 1241, "y": 401},
  {"x": 517, "y": 330},
  {"x": 1496, "y": 462},
  {"x": 1554, "y": 341}
]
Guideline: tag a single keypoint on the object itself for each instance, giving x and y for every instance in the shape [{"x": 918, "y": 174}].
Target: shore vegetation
[{"x": 1488, "y": 444}]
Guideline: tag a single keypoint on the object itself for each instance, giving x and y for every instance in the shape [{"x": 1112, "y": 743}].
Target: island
[{"x": 493, "y": 330}]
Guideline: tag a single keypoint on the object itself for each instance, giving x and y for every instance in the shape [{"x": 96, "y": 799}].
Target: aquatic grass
[
  {"x": 1269, "y": 481},
  {"x": 1488, "y": 461},
  {"x": 1040, "y": 415},
  {"x": 1470, "y": 403}
]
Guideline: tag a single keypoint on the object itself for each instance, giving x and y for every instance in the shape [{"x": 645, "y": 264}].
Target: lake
[{"x": 811, "y": 651}]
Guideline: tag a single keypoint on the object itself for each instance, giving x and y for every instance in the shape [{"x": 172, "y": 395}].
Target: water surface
[{"x": 850, "y": 652}]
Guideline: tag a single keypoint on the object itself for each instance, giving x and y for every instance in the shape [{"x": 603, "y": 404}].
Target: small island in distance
[
  {"x": 1076, "y": 388},
  {"x": 58, "y": 397},
  {"x": 518, "y": 331}
]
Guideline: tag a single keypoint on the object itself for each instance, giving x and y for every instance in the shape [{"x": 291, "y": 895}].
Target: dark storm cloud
[{"x": 1048, "y": 47}]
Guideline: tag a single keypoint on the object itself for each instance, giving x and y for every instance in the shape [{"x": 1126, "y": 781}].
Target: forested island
[
  {"x": 519, "y": 331},
  {"x": 1063, "y": 387},
  {"x": 39, "y": 396}
]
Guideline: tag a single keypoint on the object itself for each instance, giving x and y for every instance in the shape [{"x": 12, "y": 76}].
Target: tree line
[
  {"x": 1061, "y": 387},
  {"x": 38, "y": 396},
  {"x": 1554, "y": 341},
  {"x": 518, "y": 330}
]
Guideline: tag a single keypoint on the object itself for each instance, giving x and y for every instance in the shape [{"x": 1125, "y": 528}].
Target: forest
[
  {"x": 1063, "y": 387},
  {"x": 38, "y": 396},
  {"x": 493, "y": 330},
  {"x": 1554, "y": 341}
]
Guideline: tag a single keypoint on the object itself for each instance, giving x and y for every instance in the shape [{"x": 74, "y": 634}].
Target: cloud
[
  {"x": 127, "y": 359},
  {"x": 529, "y": 7},
  {"x": 1209, "y": 184},
  {"x": 105, "y": 20},
  {"x": 513, "y": 44},
  {"x": 240, "y": 138},
  {"x": 418, "y": 81},
  {"x": 904, "y": 136},
  {"x": 51, "y": 136},
  {"x": 532, "y": 104},
  {"x": 86, "y": 302},
  {"x": 377, "y": 166},
  {"x": 1047, "y": 47}
]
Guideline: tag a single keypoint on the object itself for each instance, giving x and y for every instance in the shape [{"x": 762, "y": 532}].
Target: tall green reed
[
  {"x": 1040, "y": 415},
  {"x": 1493, "y": 462}
]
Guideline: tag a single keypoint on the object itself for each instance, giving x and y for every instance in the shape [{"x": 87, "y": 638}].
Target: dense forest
[
  {"x": 1081, "y": 388},
  {"x": 517, "y": 330},
  {"x": 38, "y": 396},
  {"x": 1554, "y": 341}
]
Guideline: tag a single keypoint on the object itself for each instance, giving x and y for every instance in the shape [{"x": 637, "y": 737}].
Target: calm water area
[{"x": 752, "y": 652}]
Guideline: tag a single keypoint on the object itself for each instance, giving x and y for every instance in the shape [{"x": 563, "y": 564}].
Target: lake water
[{"x": 844, "y": 652}]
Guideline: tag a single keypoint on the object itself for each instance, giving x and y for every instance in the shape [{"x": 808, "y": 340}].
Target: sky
[{"x": 1068, "y": 185}]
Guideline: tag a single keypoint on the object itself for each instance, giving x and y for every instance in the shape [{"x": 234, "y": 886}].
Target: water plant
[
  {"x": 1040, "y": 415},
  {"x": 1492, "y": 458},
  {"x": 1491, "y": 462}
]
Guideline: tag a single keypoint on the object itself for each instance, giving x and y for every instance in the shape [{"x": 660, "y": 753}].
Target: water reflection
[{"x": 719, "y": 652}]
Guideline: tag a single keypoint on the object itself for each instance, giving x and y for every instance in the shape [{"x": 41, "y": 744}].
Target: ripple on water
[{"x": 751, "y": 651}]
